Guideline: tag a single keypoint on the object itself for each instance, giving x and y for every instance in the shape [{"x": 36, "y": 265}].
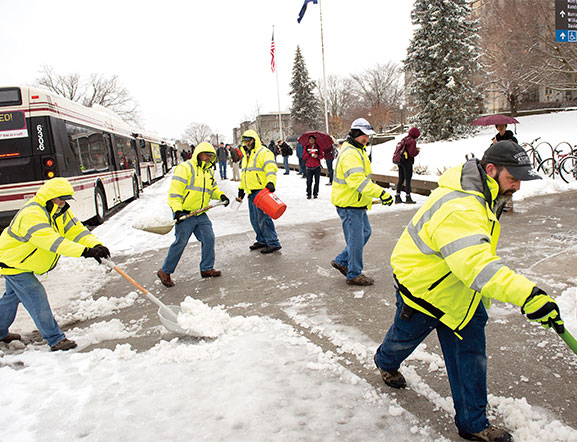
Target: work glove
[
  {"x": 96, "y": 252},
  {"x": 180, "y": 213},
  {"x": 270, "y": 187},
  {"x": 386, "y": 199},
  {"x": 541, "y": 308},
  {"x": 240, "y": 194},
  {"x": 225, "y": 199}
]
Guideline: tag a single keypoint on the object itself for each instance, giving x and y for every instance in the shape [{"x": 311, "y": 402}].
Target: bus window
[
  {"x": 145, "y": 151},
  {"x": 126, "y": 154},
  {"x": 90, "y": 147}
]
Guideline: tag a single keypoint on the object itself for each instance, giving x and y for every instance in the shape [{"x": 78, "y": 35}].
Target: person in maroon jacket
[
  {"x": 312, "y": 156},
  {"x": 408, "y": 152}
]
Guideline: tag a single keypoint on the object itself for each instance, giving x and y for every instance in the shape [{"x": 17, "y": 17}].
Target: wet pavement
[{"x": 298, "y": 286}]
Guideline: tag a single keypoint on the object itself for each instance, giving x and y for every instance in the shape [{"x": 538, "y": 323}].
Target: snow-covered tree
[
  {"x": 442, "y": 66},
  {"x": 305, "y": 109}
]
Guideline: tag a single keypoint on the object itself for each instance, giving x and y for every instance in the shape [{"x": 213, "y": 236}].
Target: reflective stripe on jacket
[
  {"x": 36, "y": 237},
  {"x": 193, "y": 185},
  {"x": 446, "y": 259},
  {"x": 352, "y": 184},
  {"x": 258, "y": 167}
]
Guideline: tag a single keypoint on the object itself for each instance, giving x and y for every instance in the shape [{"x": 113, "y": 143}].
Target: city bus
[{"x": 43, "y": 135}]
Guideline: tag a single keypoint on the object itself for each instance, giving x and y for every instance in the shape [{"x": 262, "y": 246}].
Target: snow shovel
[
  {"x": 568, "y": 338},
  {"x": 168, "y": 314},
  {"x": 164, "y": 229}
]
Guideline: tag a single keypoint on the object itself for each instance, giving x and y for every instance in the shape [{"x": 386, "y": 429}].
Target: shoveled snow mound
[{"x": 199, "y": 319}]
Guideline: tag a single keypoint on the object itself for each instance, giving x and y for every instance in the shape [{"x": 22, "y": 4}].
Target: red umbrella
[
  {"x": 323, "y": 140},
  {"x": 490, "y": 120}
]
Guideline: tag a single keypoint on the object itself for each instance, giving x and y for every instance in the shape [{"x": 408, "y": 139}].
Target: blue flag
[{"x": 304, "y": 9}]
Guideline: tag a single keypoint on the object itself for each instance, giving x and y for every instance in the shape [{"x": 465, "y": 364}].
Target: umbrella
[
  {"x": 490, "y": 120},
  {"x": 323, "y": 140}
]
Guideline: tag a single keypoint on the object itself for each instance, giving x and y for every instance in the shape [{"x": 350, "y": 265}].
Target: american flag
[{"x": 272, "y": 63}]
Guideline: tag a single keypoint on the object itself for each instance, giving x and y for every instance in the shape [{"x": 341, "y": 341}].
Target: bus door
[{"x": 114, "y": 176}]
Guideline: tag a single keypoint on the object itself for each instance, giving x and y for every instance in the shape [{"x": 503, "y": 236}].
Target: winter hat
[{"x": 509, "y": 154}]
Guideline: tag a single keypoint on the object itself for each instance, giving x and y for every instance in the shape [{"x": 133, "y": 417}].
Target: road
[{"x": 299, "y": 287}]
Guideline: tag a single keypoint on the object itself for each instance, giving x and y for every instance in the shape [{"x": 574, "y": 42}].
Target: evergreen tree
[
  {"x": 305, "y": 109},
  {"x": 442, "y": 65}
]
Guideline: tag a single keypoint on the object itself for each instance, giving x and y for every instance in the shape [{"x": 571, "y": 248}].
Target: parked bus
[{"x": 43, "y": 135}]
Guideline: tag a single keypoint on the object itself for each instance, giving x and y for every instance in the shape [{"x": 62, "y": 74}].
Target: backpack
[
  {"x": 399, "y": 151},
  {"x": 234, "y": 155}
]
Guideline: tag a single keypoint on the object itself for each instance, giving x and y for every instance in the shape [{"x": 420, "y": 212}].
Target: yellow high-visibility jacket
[
  {"x": 38, "y": 235},
  {"x": 446, "y": 259},
  {"x": 352, "y": 184},
  {"x": 193, "y": 184},
  {"x": 258, "y": 167}
]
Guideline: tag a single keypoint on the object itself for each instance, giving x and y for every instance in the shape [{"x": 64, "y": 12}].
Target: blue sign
[{"x": 566, "y": 21}]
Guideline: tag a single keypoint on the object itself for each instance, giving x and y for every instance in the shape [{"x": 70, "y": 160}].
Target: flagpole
[
  {"x": 324, "y": 71},
  {"x": 278, "y": 93}
]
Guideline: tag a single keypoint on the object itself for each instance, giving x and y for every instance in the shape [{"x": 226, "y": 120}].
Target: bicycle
[{"x": 568, "y": 169}]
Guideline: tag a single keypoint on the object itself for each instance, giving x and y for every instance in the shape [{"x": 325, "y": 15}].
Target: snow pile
[
  {"x": 260, "y": 381},
  {"x": 199, "y": 319},
  {"x": 91, "y": 308}
]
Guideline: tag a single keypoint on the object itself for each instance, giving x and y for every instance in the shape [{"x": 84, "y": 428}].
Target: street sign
[{"x": 566, "y": 21}]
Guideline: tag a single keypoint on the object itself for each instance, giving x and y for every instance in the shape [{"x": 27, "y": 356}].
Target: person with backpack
[
  {"x": 286, "y": 151},
  {"x": 404, "y": 158},
  {"x": 235, "y": 157}
]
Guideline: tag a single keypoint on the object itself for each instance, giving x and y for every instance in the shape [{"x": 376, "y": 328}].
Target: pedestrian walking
[
  {"x": 191, "y": 189},
  {"x": 286, "y": 151},
  {"x": 446, "y": 271},
  {"x": 329, "y": 155},
  {"x": 503, "y": 134},
  {"x": 312, "y": 156},
  {"x": 43, "y": 229},
  {"x": 300, "y": 150},
  {"x": 222, "y": 157},
  {"x": 404, "y": 158},
  {"x": 235, "y": 157},
  {"x": 258, "y": 171},
  {"x": 352, "y": 194}
]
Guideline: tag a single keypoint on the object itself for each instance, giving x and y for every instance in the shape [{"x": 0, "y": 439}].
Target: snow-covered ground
[{"x": 260, "y": 379}]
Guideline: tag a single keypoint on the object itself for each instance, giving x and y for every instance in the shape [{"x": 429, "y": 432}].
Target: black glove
[
  {"x": 180, "y": 213},
  {"x": 241, "y": 194},
  {"x": 225, "y": 199},
  {"x": 541, "y": 308},
  {"x": 270, "y": 187},
  {"x": 96, "y": 252},
  {"x": 386, "y": 199}
]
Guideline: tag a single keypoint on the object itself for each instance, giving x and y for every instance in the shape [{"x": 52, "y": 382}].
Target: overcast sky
[{"x": 205, "y": 61}]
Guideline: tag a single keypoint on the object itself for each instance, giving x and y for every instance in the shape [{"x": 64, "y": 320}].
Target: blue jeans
[
  {"x": 262, "y": 224},
  {"x": 26, "y": 289},
  {"x": 465, "y": 360},
  {"x": 357, "y": 230},
  {"x": 330, "y": 169},
  {"x": 286, "y": 164},
  {"x": 202, "y": 228},
  {"x": 302, "y": 166},
  {"x": 222, "y": 169}
]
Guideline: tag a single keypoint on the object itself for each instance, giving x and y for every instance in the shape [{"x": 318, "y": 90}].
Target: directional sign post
[{"x": 566, "y": 21}]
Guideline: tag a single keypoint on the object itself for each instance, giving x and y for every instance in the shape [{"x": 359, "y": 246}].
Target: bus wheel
[
  {"x": 99, "y": 205},
  {"x": 135, "y": 188}
]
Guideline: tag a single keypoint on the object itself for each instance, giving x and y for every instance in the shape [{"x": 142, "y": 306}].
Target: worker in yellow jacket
[
  {"x": 42, "y": 230},
  {"x": 447, "y": 270},
  {"x": 191, "y": 189},
  {"x": 258, "y": 171},
  {"x": 352, "y": 194}
]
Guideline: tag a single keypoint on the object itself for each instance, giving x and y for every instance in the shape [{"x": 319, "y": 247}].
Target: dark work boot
[
  {"x": 165, "y": 278},
  {"x": 409, "y": 200},
  {"x": 269, "y": 249},
  {"x": 398, "y": 199},
  {"x": 257, "y": 245},
  {"x": 64, "y": 345},
  {"x": 393, "y": 379},
  {"x": 343, "y": 269},
  {"x": 212, "y": 273},
  {"x": 489, "y": 434},
  {"x": 11, "y": 337}
]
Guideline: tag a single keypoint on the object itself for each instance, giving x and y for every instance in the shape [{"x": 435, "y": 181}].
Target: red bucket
[{"x": 269, "y": 203}]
